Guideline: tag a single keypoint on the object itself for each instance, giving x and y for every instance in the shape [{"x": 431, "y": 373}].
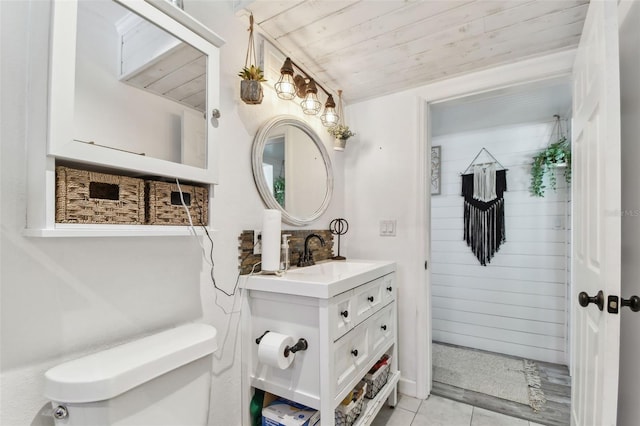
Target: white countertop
[{"x": 322, "y": 280}]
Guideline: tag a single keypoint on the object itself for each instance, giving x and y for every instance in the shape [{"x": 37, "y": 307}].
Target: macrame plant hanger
[
  {"x": 483, "y": 189},
  {"x": 250, "y": 87}
]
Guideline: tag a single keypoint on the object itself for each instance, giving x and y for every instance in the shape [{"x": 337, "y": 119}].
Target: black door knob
[
  {"x": 344, "y": 313},
  {"x": 633, "y": 303},
  {"x": 384, "y": 327},
  {"x": 389, "y": 288},
  {"x": 354, "y": 352},
  {"x": 598, "y": 299},
  {"x": 370, "y": 299}
]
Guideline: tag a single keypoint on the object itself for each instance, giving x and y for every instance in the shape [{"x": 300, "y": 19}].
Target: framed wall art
[{"x": 435, "y": 170}]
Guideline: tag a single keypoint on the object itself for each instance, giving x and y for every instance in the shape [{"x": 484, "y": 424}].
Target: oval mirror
[{"x": 292, "y": 170}]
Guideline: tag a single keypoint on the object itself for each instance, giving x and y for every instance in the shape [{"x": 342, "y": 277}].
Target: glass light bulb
[
  {"x": 285, "y": 88},
  {"x": 310, "y": 104},
  {"x": 329, "y": 118}
]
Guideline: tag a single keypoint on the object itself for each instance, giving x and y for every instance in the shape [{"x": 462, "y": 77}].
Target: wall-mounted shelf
[
  {"x": 170, "y": 146},
  {"x": 65, "y": 230}
]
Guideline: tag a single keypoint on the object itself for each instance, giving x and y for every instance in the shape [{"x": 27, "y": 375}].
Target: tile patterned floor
[{"x": 438, "y": 411}]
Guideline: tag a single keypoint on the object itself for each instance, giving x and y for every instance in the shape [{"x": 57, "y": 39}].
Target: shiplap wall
[{"x": 517, "y": 304}]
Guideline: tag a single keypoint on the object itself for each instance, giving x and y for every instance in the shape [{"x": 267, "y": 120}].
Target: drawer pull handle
[
  {"x": 384, "y": 327},
  {"x": 354, "y": 352},
  {"x": 370, "y": 299},
  {"x": 389, "y": 288},
  {"x": 345, "y": 314}
]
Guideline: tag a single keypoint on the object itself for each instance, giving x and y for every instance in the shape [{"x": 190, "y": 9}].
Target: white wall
[
  {"x": 517, "y": 303},
  {"x": 65, "y": 297},
  {"x": 629, "y": 387},
  {"x": 384, "y": 171}
]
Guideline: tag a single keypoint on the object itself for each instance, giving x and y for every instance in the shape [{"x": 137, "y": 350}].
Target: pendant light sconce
[
  {"x": 291, "y": 85},
  {"x": 310, "y": 104},
  {"x": 330, "y": 117},
  {"x": 286, "y": 86}
]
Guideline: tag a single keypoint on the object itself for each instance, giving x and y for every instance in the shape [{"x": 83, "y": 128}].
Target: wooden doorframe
[{"x": 538, "y": 69}]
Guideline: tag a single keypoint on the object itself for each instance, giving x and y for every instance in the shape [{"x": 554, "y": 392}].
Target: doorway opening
[{"x": 513, "y": 310}]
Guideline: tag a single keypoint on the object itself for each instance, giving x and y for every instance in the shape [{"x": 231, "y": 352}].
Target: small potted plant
[
  {"x": 555, "y": 155},
  {"x": 250, "y": 86},
  {"x": 341, "y": 133}
]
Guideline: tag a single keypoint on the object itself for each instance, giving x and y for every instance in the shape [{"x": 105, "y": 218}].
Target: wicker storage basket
[
  {"x": 164, "y": 206},
  {"x": 377, "y": 380},
  {"x": 346, "y": 415},
  {"x": 89, "y": 197}
]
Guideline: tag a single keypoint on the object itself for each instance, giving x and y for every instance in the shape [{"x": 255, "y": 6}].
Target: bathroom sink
[
  {"x": 330, "y": 270},
  {"x": 322, "y": 280}
]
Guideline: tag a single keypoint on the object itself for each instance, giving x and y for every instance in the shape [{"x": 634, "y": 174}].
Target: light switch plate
[{"x": 388, "y": 228}]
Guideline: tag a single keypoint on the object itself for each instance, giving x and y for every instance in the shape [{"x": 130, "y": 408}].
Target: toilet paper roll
[
  {"x": 271, "y": 350},
  {"x": 271, "y": 240}
]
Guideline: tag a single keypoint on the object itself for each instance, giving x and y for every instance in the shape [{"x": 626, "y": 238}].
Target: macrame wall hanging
[{"x": 483, "y": 186}]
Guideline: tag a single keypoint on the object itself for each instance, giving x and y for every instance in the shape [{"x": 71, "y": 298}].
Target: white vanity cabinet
[
  {"x": 133, "y": 90},
  {"x": 349, "y": 322}
]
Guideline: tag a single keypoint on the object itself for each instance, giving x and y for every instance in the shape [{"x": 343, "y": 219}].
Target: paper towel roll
[
  {"x": 271, "y": 350},
  {"x": 271, "y": 240}
]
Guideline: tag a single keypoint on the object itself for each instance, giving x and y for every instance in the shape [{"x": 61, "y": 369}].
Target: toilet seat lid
[{"x": 109, "y": 373}]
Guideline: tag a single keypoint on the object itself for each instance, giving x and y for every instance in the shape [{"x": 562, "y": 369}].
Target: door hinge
[
  {"x": 426, "y": 265},
  {"x": 612, "y": 304}
]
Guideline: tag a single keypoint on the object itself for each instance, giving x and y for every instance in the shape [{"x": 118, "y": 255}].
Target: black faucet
[{"x": 307, "y": 257}]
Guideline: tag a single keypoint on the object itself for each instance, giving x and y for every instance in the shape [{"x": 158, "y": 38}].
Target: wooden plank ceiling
[{"x": 373, "y": 47}]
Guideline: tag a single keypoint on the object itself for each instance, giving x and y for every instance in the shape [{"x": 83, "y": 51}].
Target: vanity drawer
[
  {"x": 382, "y": 328},
  {"x": 342, "y": 316},
  {"x": 368, "y": 299},
  {"x": 350, "y": 355},
  {"x": 388, "y": 288}
]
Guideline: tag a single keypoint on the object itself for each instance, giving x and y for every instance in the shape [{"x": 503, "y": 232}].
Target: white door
[{"x": 596, "y": 214}]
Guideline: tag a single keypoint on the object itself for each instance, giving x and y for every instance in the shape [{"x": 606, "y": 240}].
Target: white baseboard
[{"x": 407, "y": 387}]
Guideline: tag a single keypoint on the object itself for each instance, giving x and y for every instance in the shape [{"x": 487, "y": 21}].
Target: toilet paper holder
[{"x": 300, "y": 345}]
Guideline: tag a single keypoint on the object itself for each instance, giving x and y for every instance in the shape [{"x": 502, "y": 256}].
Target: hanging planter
[
  {"x": 339, "y": 144},
  {"x": 250, "y": 86},
  {"x": 340, "y": 132},
  {"x": 252, "y": 76},
  {"x": 557, "y": 154}
]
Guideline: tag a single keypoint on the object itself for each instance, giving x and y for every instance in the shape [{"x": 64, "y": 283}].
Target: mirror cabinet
[{"x": 133, "y": 90}]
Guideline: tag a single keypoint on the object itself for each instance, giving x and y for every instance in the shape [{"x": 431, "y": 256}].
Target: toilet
[{"x": 162, "y": 379}]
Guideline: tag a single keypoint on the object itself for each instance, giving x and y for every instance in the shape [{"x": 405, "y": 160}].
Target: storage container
[
  {"x": 165, "y": 204},
  {"x": 376, "y": 380},
  {"x": 83, "y": 196},
  {"x": 346, "y": 415}
]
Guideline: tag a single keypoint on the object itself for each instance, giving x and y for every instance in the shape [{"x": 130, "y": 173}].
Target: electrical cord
[{"x": 209, "y": 258}]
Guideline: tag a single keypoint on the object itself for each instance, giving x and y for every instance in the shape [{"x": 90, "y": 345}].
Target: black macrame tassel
[{"x": 484, "y": 229}]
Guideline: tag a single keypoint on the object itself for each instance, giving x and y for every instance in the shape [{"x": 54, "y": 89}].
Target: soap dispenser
[{"x": 284, "y": 252}]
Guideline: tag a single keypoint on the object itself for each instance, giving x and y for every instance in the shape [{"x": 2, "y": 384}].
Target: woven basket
[
  {"x": 89, "y": 197},
  {"x": 346, "y": 415},
  {"x": 376, "y": 381},
  {"x": 164, "y": 205}
]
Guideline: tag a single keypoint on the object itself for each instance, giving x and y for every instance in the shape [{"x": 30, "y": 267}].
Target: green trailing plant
[
  {"x": 547, "y": 162},
  {"x": 278, "y": 190},
  {"x": 252, "y": 73},
  {"x": 340, "y": 131}
]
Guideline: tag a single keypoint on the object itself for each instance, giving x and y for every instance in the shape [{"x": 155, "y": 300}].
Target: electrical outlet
[{"x": 257, "y": 242}]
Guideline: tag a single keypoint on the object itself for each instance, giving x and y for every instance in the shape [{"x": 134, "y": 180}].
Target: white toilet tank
[{"x": 163, "y": 379}]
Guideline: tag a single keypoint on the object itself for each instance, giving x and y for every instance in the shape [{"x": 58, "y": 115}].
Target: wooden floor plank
[{"x": 556, "y": 385}]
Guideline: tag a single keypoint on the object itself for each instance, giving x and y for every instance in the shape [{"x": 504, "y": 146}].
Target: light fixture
[
  {"x": 329, "y": 117},
  {"x": 286, "y": 86},
  {"x": 310, "y": 104},
  {"x": 289, "y": 86}
]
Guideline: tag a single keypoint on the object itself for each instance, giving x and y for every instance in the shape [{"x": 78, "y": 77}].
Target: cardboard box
[{"x": 283, "y": 412}]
